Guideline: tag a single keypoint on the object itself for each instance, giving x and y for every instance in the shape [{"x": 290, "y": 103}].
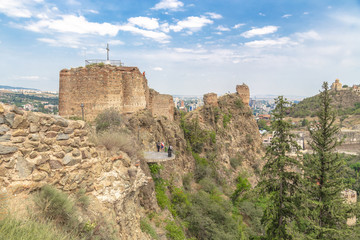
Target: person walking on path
[
  {"x": 158, "y": 146},
  {"x": 170, "y": 151},
  {"x": 162, "y": 145}
]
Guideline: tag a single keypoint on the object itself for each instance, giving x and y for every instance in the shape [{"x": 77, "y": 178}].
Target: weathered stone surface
[
  {"x": 24, "y": 167},
  {"x": 4, "y": 149},
  {"x": 55, "y": 128},
  {"x": 33, "y": 128},
  {"x": 34, "y": 137},
  {"x": 64, "y": 142},
  {"x": 20, "y": 122},
  {"x": 44, "y": 167},
  {"x": 76, "y": 125},
  {"x": 11, "y": 163},
  {"x": 62, "y": 136},
  {"x": 5, "y": 138},
  {"x": 67, "y": 149},
  {"x": 17, "y": 110},
  {"x": 33, "y": 117},
  {"x": 48, "y": 141},
  {"x": 76, "y": 152},
  {"x": 20, "y": 133},
  {"x": 59, "y": 154},
  {"x": 29, "y": 144},
  {"x": 2, "y": 119},
  {"x": 2, "y": 110},
  {"x": 3, "y": 171},
  {"x": 54, "y": 164},
  {"x": 61, "y": 122},
  {"x": 80, "y": 133},
  {"x": 85, "y": 154},
  {"x": 9, "y": 118},
  {"x": 38, "y": 176},
  {"x": 4, "y": 129},
  {"x": 18, "y": 140},
  {"x": 68, "y": 130},
  {"x": 42, "y": 148},
  {"x": 33, "y": 155},
  {"x": 51, "y": 134},
  {"x": 68, "y": 158}
]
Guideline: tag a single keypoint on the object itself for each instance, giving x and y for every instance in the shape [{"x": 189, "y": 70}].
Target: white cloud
[
  {"x": 157, "y": 69},
  {"x": 259, "y": 31},
  {"x": 93, "y": 11},
  {"x": 312, "y": 35},
  {"x": 191, "y": 23},
  {"x": 33, "y": 78},
  {"x": 238, "y": 25},
  {"x": 165, "y": 27},
  {"x": 144, "y": 22},
  {"x": 270, "y": 43},
  {"x": 172, "y": 5},
  {"x": 73, "y": 24},
  {"x": 222, "y": 28},
  {"x": 306, "y": 13},
  {"x": 157, "y": 36},
  {"x": 116, "y": 42},
  {"x": 62, "y": 41},
  {"x": 214, "y": 15},
  {"x": 262, "y": 14},
  {"x": 286, "y": 15},
  {"x": 15, "y": 8}
]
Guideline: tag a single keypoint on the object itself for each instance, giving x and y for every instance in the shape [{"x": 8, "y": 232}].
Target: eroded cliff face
[{"x": 38, "y": 149}]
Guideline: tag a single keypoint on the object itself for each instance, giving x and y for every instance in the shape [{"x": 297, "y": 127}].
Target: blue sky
[{"x": 190, "y": 47}]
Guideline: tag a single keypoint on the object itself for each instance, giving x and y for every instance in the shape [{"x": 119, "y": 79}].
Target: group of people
[{"x": 161, "y": 146}]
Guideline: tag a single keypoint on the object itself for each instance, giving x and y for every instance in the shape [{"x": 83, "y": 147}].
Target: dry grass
[{"x": 114, "y": 140}]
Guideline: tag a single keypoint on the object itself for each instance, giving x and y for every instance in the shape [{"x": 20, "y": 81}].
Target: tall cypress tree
[
  {"x": 280, "y": 177},
  {"x": 325, "y": 209}
]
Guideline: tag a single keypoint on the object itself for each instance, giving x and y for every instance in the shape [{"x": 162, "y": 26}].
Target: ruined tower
[
  {"x": 210, "y": 99},
  {"x": 100, "y": 86},
  {"x": 244, "y": 93}
]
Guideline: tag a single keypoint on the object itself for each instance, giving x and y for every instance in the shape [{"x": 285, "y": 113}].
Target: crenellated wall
[
  {"x": 244, "y": 92},
  {"x": 210, "y": 99},
  {"x": 100, "y": 87}
]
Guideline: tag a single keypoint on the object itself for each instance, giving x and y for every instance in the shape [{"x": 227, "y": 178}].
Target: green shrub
[
  {"x": 55, "y": 205},
  {"x": 249, "y": 139},
  {"x": 116, "y": 140},
  {"x": 239, "y": 103},
  {"x": 212, "y": 137},
  {"x": 109, "y": 118},
  {"x": 193, "y": 134},
  {"x": 13, "y": 229},
  {"x": 226, "y": 119},
  {"x": 236, "y": 161},
  {"x": 174, "y": 232},
  {"x": 155, "y": 169},
  {"x": 242, "y": 185},
  {"x": 187, "y": 181},
  {"x": 147, "y": 228},
  {"x": 81, "y": 199}
]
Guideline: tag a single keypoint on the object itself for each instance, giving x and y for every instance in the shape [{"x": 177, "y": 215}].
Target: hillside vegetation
[{"x": 345, "y": 102}]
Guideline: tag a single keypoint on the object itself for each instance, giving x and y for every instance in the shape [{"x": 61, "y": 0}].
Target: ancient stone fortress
[
  {"x": 337, "y": 86},
  {"x": 242, "y": 90},
  {"x": 101, "y": 86}
]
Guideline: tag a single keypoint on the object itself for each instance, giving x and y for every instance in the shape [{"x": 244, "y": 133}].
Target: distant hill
[
  {"x": 20, "y": 88},
  {"x": 345, "y": 102}
]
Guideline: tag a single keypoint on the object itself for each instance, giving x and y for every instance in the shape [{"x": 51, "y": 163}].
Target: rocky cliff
[{"x": 38, "y": 149}]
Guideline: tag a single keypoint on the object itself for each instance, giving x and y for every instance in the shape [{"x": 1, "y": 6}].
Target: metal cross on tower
[{"x": 107, "y": 49}]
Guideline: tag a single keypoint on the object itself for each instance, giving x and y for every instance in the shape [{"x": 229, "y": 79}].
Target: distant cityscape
[{"x": 47, "y": 101}]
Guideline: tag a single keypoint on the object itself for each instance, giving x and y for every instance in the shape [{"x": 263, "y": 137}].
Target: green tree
[
  {"x": 325, "y": 209},
  {"x": 279, "y": 176}
]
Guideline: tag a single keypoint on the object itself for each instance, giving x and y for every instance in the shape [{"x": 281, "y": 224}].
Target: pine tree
[
  {"x": 325, "y": 209},
  {"x": 280, "y": 176}
]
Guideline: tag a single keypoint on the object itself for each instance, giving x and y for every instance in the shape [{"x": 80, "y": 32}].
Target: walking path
[{"x": 154, "y": 157}]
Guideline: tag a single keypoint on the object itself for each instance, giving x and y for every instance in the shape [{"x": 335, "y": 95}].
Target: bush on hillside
[{"x": 107, "y": 119}]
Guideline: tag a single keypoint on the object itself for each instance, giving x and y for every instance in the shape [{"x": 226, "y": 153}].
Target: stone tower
[
  {"x": 210, "y": 99},
  {"x": 99, "y": 87},
  {"x": 244, "y": 92},
  {"x": 336, "y": 85}
]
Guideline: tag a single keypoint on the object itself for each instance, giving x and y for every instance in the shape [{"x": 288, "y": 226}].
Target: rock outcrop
[{"x": 38, "y": 149}]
